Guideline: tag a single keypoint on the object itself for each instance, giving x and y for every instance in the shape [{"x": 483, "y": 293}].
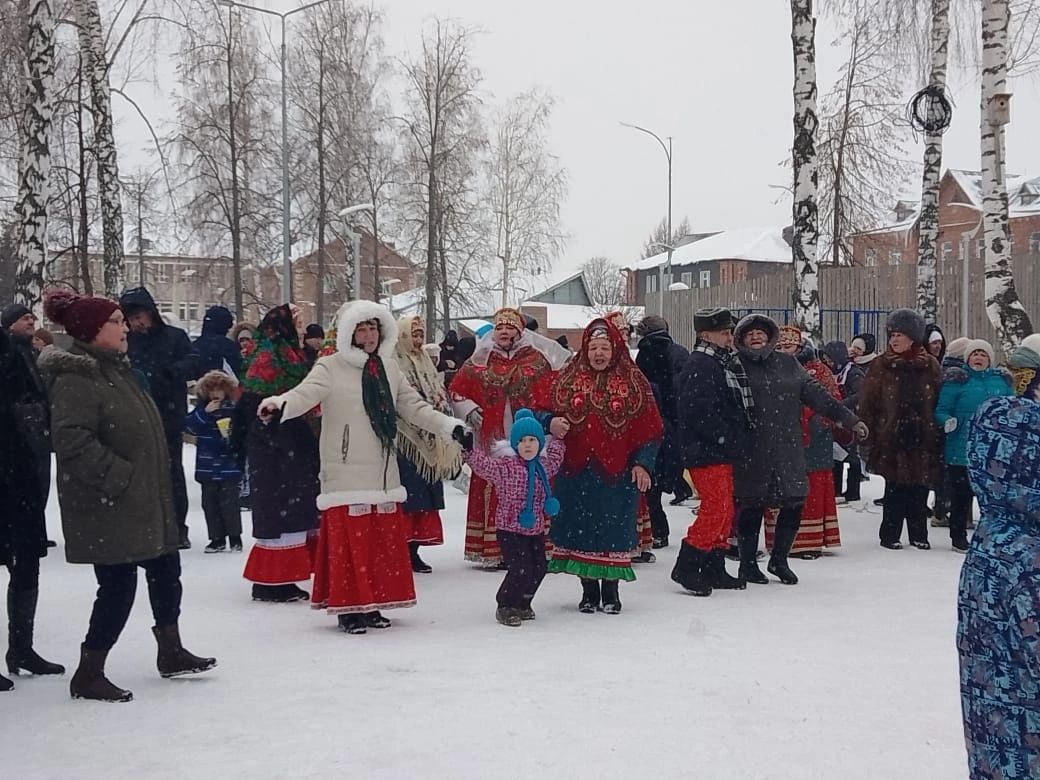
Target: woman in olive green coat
[{"x": 113, "y": 487}]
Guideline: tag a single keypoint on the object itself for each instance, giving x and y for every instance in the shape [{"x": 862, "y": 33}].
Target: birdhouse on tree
[{"x": 1000, "y": 109}]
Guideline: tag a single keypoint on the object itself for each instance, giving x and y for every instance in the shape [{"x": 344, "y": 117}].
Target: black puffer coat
[
  {"x": 775, "y": 472},
  {"x": 661, "y": 360},
  {"x": 214, "y": 347},
  {"x": 166, "y": 359},
  {"x": 22, "y": 531}
]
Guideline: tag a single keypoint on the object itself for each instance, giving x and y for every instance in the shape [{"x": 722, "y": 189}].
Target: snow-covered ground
[{"x": 851, "y": 674}]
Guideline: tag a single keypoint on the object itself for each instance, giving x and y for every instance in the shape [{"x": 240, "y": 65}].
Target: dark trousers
[
  {"x": 658, "y": 517},
  {"x": 524, "y": 557},
  {"x": 174, "y": 445},
  {"x": 25, "y": 574},
  {"x": 904, "y": 502},
  {"x": 944, "y": 496},
  {"x": 961, "y": 496},
  {"x": 221, "y": 507},
  {"x": 749, "y": 521},
  {"x": 851, "y": 492},
  {"x": 117, "y": 586}
]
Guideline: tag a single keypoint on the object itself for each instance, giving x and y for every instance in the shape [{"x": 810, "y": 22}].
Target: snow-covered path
[{"x": 851, "y": 674}]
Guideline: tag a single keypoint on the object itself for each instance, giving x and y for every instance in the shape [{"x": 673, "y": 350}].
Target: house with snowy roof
[
  {"x": 711, "y": 259},
  {"x": 960, "y": 223}
]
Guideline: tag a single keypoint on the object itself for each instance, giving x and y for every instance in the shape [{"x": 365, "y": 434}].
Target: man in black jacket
[
  {"x": 661, "y": 360},
  {"x": 166, "y": 360},
  {"x": 216, "y": 351},
  {"x": 714, "y": 413}
]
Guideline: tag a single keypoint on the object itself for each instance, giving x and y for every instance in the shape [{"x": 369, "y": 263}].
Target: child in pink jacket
[{"x": 521, "y": 482}]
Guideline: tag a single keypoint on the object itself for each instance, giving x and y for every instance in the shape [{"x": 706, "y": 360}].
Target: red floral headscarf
[{"x": 612, "y": 412}]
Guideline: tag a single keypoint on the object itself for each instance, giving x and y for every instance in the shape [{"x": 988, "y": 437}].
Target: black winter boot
[
  {"x": 589, "y": 596},
  {"x": 376, "y": 620},
  {"x": 690, "y": 570},
  {"x": 89, "y": 681},
  {"x": 173, "y": 660},
  {"x": 715, "y": 571},
  {"x": 5, "y": 684},
  {"x": 611, "y": 599},
  {"x": 352, "y": 624},
  {"x": 782, "y": 541},
  {"x": 749, "y": 571},
  {"x": 419, "y": 566},
  {"x": 21, "y": 617}
]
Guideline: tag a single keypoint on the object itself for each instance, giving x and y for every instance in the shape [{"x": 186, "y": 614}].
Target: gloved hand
[
  {"x": 861, "y": 430},
  {"x": 475, "y": 418},
  {"x": 463, "y": 436},
  {"x": 950, "y": 425}
]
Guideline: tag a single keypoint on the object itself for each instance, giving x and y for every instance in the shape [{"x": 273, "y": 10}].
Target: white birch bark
[
  {"x": 1003, "y": 306},
  {"x": 928, "y": 224},
  {"x": 95, "y": 61},
  {"x": 806, "y": 298},
  {"x": 34, "y": 180}
]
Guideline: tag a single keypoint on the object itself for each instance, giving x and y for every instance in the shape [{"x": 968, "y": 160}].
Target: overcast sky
[{"x": 716, "y": 76}]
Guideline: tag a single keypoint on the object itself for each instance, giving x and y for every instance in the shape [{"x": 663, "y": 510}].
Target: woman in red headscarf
[{"x": 615, "y": 430}]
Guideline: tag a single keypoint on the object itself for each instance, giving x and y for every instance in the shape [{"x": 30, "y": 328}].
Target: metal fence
[{"x": 857, "y": 300}]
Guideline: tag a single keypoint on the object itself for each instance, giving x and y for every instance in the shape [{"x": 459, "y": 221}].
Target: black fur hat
[{"x": 907, "y": 322}]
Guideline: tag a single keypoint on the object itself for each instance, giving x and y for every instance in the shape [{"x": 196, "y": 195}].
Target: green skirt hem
[{"x": 592, "y": 571}]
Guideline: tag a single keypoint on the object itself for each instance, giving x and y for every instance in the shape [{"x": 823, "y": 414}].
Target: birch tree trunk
[
  {"x": 34, "y": 180},
  {"x": 95, "y": 61},
  {"x": 928, "y": 225},
  {"x": 806, "y": 298},
  {"x": 1003, "y": 307}
]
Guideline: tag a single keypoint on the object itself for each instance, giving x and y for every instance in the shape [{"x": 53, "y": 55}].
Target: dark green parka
[{"x": 113, "y": 467}]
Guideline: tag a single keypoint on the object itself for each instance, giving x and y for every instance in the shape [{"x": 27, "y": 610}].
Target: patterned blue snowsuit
[{"x": 998, "y": 627}]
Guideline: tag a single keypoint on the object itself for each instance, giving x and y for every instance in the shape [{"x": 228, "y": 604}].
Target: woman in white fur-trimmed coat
[{"x": 362, "y": 564}]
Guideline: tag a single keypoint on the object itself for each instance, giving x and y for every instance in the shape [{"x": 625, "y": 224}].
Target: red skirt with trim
[
  {"x": 426, "y": 527},
  {"x": 362, "y": 562},
  {"x": 283, "y": 561},
  {"x": 819, "y": 526},
  {"x": 481, "y": 533},
  {"x": 644, "y": 528}
]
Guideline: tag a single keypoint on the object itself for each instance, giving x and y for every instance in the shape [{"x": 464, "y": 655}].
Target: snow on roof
[
  {"x": 755, "y": 244},
  {"x": 568, "y": 316},
  {"x": 473, "y": 325}
]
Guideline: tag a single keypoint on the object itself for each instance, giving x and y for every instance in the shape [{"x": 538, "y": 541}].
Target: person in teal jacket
[{"x": 964, "y": 390}]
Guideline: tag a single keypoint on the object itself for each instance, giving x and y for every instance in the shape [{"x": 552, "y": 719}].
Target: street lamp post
[
  {"x": 387, "y": 286},
  {"x": 668, "y": 154},
  {"x": 286, "y": 240}
]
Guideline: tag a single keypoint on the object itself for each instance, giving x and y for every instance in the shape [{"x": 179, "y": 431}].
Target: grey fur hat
[{"x": 907, "y": 322}]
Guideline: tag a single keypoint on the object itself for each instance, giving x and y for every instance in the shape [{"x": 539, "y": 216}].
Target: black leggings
[
  {"x": 25, "y": 574},
  {"x": 961, "y": 497},
  {"x": 907, "y": 503},
  {"x": 117, "y": 586}
]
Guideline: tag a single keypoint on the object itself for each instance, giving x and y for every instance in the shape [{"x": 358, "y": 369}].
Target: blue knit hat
[{"x": 525, "y": 424}]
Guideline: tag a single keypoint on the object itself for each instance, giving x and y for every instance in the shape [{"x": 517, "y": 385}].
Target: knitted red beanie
[{"x": 83, "y": 318}]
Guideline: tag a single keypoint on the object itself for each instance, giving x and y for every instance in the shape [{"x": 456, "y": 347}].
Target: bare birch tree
[
  {"x": 862, "y": 159},
  {"x": 34, "y": 179},
  {"x": 96, "y": 66},
  {"x": 659, "y": 237},
  {"x": 806, "y": 298},
  {"x": 443, "y": 128},
  {"x": 528, "y": 187},
  {"x": 1003, "y": 306}
]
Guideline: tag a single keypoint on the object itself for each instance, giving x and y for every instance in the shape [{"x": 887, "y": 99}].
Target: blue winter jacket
[
  {"x": 998, "y": 607},
  {"x": 964, "y": 390},
  {"x": 215, "y": 461}
]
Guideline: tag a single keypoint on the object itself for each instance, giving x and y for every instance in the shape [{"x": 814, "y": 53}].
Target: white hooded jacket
[{"x": 354, "y": 467}]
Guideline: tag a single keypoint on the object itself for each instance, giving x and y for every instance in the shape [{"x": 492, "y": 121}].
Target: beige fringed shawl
[{"x": 434, "y": 457}]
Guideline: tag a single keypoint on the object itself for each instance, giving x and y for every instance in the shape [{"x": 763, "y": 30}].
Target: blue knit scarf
[{"x": 535, "y": 470}]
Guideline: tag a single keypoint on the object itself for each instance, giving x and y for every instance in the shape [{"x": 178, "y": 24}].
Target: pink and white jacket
[{"x": 508, "y": 474}]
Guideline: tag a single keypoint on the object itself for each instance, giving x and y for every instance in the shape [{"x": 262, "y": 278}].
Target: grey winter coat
[
  {"x": 774, "y": 472},
  {"x": 113, "y": 467}
]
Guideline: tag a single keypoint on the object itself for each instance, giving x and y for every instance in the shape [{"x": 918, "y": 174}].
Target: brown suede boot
[
  {"x": 89, "y": 681},
  {"x": 173, "y": 659}
]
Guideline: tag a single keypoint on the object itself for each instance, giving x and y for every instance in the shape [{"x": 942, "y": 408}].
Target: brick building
[
  {"x": 712, "y": 259},
  {"x": 338, "y": 266},
  {"x": 960, "y": 223}
]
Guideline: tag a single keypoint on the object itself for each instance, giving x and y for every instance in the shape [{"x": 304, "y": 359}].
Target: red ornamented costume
[{"x": 497, "y": 383}]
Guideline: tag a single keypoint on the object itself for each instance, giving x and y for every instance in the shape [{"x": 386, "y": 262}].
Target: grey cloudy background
[{"x": 714, "y": 75}]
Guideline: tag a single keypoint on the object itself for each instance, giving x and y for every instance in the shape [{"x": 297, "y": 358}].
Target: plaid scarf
[{"x": 736, "y": 376}]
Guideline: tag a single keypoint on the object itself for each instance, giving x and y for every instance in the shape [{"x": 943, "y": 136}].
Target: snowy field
[{"x": 851, "y": 674}]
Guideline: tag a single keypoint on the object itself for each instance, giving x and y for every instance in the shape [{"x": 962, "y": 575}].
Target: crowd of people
[{"x": 340, "y": 442}]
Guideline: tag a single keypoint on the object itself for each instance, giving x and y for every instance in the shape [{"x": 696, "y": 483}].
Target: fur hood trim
[{"x": 353, "y": 313}]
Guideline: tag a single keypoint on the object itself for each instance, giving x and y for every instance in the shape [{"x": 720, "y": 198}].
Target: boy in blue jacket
[{"x": 216, "y": 467}]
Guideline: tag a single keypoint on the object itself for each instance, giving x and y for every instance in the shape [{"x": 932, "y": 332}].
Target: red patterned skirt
[
  {"x": 426, "y": 528},
  {"x": 362, "y": 560},
  {"x": 283, "y": 561},
  {"x": 481, "y": 534},
  {"x": 644, "y": 528},
  {"x": 819, "y": 526}
]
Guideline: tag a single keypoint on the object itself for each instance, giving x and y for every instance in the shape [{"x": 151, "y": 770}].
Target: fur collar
[
  {"x": 78, "y": 359},
  {"x": 350, "y": 315}
]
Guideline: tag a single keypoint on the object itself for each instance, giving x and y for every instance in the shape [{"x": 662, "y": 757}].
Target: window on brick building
[
  {"x": 982, "y": 248},
  {"x": 895, "y": 257},
  {"x": 947, "y": 251},
  {"x": 1034, "y": 243},
  {"x": 871, "y": 257}
]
